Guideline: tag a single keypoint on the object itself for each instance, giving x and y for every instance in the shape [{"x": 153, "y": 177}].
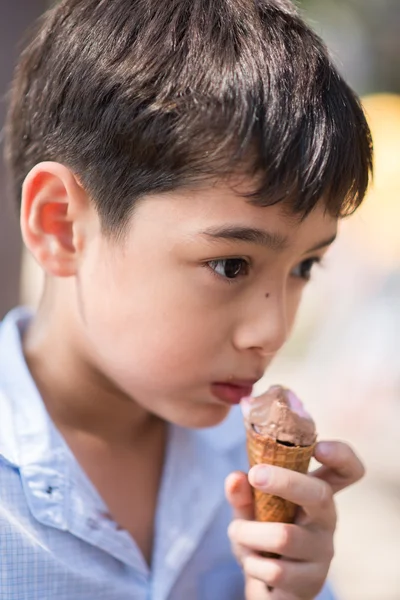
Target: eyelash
[
  {"x": 228, "y": 280},
  {"x": 310, "y": 262},
  {"x": 314, "y": 260}
]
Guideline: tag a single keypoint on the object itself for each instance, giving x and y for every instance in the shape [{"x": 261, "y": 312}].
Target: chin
[{"x": 207, "y": 415}]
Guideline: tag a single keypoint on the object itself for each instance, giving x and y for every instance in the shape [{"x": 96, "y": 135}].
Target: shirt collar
[{"x": 31, "y": 443}]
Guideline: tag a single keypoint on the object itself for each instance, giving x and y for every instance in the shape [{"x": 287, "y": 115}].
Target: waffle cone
[{"x": 263, "y": 449}]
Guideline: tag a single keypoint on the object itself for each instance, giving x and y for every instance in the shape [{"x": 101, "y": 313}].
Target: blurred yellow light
[{"x": 376, "y": 226}]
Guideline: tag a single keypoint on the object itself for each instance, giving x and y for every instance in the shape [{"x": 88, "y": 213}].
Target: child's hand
[{"x": 306, "y": 546}]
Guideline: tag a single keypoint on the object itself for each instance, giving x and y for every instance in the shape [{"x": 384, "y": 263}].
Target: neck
[{"x": 78, "y": 395}]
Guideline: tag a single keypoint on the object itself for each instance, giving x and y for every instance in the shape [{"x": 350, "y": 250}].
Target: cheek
[{"x": 140, "y": 324}]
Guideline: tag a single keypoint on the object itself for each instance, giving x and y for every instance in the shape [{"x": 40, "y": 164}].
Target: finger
[
  {"x": 283, "y": 539},
  {"x": 239, "y": 495},
  {"x": 254, "y": 588},
  {"x": 341, "y": 466},
  {"x": 292, "y": 577},
  {"x": 314, "y": 495}
]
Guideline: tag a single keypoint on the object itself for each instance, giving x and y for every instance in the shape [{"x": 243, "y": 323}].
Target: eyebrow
[{"x": 271, "y": 240}]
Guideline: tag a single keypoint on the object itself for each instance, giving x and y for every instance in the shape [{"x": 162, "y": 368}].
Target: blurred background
[{"x": 344, "y": 356}]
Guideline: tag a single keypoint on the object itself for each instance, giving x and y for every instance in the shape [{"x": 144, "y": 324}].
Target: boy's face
[{"x": 187, "y": 313}]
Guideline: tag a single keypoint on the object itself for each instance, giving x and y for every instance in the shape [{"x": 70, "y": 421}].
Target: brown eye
[
  {"x": 303, "y": 270},
  {"x": 229, "y": 268}
]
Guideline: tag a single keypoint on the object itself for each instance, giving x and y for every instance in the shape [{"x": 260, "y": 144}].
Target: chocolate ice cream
[{"x": 280, "y": 415}]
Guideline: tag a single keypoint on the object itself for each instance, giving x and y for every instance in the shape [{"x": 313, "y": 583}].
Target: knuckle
[
  {"x": 345, "y": 454},
  {"x": 350, "y": 461},
  {"x": 240, "y": 554},
  {"x": 360, "y": 472},
  {"x": 334, "y": 517},
  {"x": 247, "y": 563},
  {"x": 233, "y": 530},
  {"x": 325, "y": 495},
  {"x": 283, "y": 538},
  {"x": 330, "y": 551},
  {"x": 325, "y": 552},
  {"x": 276, "y": 574},
  {"x": 271, "y": 571}
]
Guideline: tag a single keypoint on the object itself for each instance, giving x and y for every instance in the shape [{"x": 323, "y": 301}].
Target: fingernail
[
  {"x": 324, "y": 449},
  {"x": 261, "y": 475}
]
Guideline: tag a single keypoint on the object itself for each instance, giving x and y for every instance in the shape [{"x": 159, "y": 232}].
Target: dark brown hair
[{"x": 139, "y": 96}]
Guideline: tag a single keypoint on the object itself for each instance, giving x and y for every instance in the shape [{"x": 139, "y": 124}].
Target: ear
[{"x": 55, "y": 217}]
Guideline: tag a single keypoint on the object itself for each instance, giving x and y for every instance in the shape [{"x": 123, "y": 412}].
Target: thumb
[{"x": 239, "y": 495}]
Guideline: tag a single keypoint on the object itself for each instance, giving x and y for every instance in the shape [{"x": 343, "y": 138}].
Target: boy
[{"x": 181, "y": 165}]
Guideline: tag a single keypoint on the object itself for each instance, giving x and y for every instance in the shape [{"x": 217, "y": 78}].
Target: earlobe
[{"x": 52, "y": 208}]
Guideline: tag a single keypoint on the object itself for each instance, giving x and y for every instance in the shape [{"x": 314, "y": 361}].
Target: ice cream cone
[
  {"x": 280, "y": 432},
  {"x": 262, "y": 449}
]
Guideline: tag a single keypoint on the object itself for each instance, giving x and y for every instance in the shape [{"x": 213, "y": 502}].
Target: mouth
[{"x": 232, "y": 392}]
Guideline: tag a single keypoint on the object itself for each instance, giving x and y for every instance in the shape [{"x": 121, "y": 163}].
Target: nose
[{"x": 264, "y": 324}]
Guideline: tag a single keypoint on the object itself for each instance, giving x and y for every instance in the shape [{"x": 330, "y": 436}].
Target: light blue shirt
[{"x": 56, "y": 542}]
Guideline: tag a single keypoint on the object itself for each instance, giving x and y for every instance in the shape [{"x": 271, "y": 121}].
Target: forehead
[{"x": 189, "y": 212}]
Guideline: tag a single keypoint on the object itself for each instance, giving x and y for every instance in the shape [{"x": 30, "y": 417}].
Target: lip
[{"x": 232, "y": 393}]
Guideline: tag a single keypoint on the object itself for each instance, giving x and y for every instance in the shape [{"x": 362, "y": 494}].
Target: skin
[
  {"x": 306, "y": 546},
  {"x": 149, "y": 322}
]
